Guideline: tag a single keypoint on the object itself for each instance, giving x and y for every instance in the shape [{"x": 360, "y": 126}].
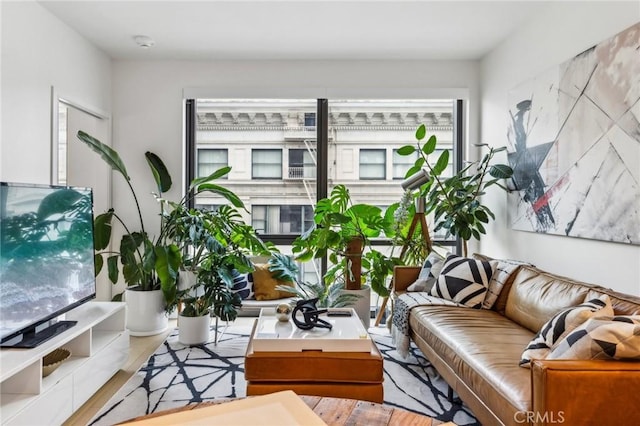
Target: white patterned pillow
[
  {"x": 463, "y": 280},
  {"x": 562, "y": 324},
  {"x": 609, "y": 337},
  {"x": 243, "y": 285},
  {"x": 503, "y": 270},
  {"x": 428, "y": 274}
]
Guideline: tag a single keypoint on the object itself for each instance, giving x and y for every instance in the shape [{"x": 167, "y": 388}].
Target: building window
[
  {"x": 266, "y": 163},
  {"x": 309, "y": 119},
  {"x": 210, "y": 160},
  {"x": 301, "y": 164},
  {"x": 286, "y": 219},
  {"x": 402, "y": 163},
  {"x": 373, "y": 164}
]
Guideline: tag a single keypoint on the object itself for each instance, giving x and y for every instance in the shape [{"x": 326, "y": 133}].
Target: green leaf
[
  {"x": 102, "y": 230},
  {"x": 481, "y": 216},
  {"x": 412, "y": 171},
  {"x": 112, "y": 268},
  {"x": 442, "y": 163},
  {"x": 501, "y": 171},
  {"x": 109, "y": 156},
  {"x": 226, "y": 193},
  {"x": 421, "y": 132},
  {"x": 159, "y": 171},
  {"x": 99, "y": 262},
  {"x": 213, "y": 176},
  {"x": 481, "y": 228},
  {"x": 167, "y": 264},
  {"x": 430, "y": 146},
  {"x": 406, "y": 150}
]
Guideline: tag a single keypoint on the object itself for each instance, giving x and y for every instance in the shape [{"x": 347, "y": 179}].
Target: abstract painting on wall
[{"x": 574, "y": 145}]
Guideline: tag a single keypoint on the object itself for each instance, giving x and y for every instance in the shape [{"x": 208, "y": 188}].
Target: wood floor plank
[{"x": 335, "y": 412}]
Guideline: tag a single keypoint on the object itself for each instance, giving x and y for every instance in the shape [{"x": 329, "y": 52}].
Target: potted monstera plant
[
  {"x": 148, "y": 262},
  {"x": 343, "y": 231},
  {"x": 216, "y": 245}
]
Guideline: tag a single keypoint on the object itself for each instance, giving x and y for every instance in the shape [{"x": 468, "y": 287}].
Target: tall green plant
[
  {"x": 150, "y": 262},
  {"x": 455, "y": 201},
  {"x": 216, "y": 245},
  {"x": 337, "y": 222}
]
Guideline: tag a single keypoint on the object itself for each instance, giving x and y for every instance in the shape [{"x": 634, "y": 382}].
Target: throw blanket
[{"x": 400, "y": 321}]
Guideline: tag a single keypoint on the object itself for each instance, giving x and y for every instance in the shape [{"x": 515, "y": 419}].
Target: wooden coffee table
[
  {"x": 341, "y": 411},
  {"x": 356, "y": 375}
]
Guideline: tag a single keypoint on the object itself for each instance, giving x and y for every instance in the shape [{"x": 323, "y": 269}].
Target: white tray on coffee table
[{"x": 347, "y": 335}]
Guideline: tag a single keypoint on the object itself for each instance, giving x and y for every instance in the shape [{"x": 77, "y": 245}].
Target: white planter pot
[
  {"x": 362, "y": 306},
  {"x": 145, "y": 312},
  {"x": 194, "y": 330}
]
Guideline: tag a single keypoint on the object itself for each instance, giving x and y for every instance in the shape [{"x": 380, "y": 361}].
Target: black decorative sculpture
[{"x": 310, "y": 314}]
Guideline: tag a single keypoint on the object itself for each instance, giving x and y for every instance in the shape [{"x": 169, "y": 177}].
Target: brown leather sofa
[{"x": 477, "y": 352}]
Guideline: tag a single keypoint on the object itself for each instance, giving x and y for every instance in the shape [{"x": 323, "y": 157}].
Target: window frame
[
  {"x": 198, "y": 163},
  {"x": 382, "y": 151},
  {"x": 253, "y": 164}
]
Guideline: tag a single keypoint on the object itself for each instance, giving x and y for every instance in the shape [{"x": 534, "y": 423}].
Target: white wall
[
  {"x": 39, "y": 51},
  {"x": 148, "y": 101},
  {"x": 562, "y": 31}
]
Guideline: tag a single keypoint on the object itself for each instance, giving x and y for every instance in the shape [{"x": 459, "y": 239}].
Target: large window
[
  {"x": 210, "y": 160},
  {"x": 373, "y": 164},
  {"x": 266, "y": 163},
  {"x": 287, "y": 153}
]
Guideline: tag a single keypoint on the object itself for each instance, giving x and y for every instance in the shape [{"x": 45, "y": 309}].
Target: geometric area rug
[{"x": 177, "y": 375}]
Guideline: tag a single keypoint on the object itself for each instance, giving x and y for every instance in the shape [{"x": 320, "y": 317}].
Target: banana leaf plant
[
  {"x": 147, "y": 261},
  {"x": 456, "y": 201}
]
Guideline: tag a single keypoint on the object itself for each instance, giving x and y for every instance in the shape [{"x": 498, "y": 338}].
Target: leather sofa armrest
[
  {"x": 589, "y": 392},
  {"x": 404, "y": 276}
]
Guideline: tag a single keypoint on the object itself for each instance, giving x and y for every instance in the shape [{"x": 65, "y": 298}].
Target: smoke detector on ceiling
[{"x": 144, "y": 41}]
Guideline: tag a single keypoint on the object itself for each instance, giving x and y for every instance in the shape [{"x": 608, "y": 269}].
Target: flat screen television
[{"x": 46, "y": 260}]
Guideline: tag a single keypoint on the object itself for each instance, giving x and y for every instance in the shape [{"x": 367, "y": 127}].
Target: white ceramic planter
[
  {"x": 145, "y": 312},
  {"x": 362, "y": 306},
  {"x": 194, "y": 330}
]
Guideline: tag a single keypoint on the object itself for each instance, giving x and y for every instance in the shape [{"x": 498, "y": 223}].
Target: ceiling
[{"x": 296, "y": 29}]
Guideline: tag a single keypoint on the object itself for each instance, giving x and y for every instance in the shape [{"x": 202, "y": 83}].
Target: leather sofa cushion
[
  {"x": 536, "y": 296},
  {"x": 484, "y": 349}
]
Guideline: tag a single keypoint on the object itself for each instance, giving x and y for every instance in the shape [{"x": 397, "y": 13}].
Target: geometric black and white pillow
[
  {"x": 561, "y": 324},
  {"x": 429, "y": 273},
  {"x": 463, "y": 280},
  {"x": 243, "y": 285},
  {"x": 615, "y": 337}
]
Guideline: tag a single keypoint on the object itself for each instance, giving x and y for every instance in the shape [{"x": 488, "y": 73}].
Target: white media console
[{"x": 99, "y": 345}]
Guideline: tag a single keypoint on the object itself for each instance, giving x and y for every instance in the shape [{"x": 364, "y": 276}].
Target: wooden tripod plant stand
[{"x": 419, "y": 217}]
